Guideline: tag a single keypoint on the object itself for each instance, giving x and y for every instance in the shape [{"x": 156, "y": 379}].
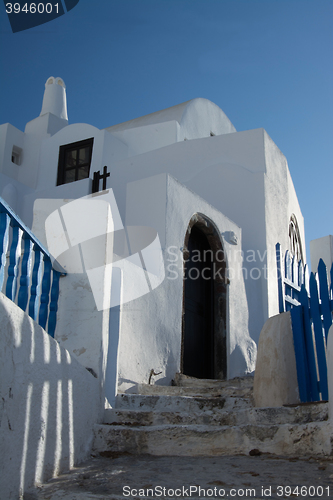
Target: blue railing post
[
  {"x": 14, "y": 259},
  {"x": 23, "y": 294},
  {"x": 54, "y": 303},
  {"x": 45, "y": 296},
  {"x": 319, "y": 337},
  {"x": 4, "y": 239},
  {"x": 303, "y": 375},
  {"x": 34, "y": 283},
  {"x": 309, "y": 347}
]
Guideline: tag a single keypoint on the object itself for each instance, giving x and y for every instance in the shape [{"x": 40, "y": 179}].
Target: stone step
[
  {"x": 179, "y": 403},
  {"x": 198, "y": 440},
  {"x": 181, "y": 380},
  {"x": 254, "y": 416},
  {"x": 205, "y": 417},
  {"x": 215, "y": 391}
]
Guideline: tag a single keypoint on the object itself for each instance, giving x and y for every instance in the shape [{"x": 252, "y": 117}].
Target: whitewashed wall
[
  {"x": 243, "y": 175},
  {"x": 150, "y": 327},
  {"x": 322, "y": 248},
  {"x": 81, "y": 328},
  {"x": 280, "y": 203},
  {"x": 186, "y": 121},
  {"x": 49, "y": 404}
]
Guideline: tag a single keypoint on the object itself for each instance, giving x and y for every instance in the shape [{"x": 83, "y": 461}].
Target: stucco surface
[
  {"x": 151, "y": 329},
  {"x": 322, "y": 248},
  {"x": 280, "y": 203},
  {"x": 49, "y": 404},
  {"x": 242, "y": 174},
  {"x": 233, "y": 176}
]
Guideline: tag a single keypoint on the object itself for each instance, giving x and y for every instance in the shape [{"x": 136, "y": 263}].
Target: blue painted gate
[{"x": 309, "y": 300}]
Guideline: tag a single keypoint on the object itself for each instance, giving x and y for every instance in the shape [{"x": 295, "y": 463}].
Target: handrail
[
  {"x": 4, "y": 207},
  {"x": 37, "y": 288}
]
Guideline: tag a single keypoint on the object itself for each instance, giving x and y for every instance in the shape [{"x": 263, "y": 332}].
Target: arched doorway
[{"x": 204, "y": 302}]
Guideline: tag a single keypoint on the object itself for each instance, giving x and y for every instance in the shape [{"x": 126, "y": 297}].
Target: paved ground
[{"x": 128, "y": 476}]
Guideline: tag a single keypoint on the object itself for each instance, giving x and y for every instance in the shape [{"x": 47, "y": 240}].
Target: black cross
[{"x": 98, "y": 177}]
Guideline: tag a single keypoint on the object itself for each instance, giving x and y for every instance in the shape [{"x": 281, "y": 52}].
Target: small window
[
  {"x": 74, "y": 161},
  {"x": 16, "y": 155}
]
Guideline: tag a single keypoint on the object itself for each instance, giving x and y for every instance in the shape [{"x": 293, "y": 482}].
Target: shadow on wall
[{"x": 49, "y": 405}]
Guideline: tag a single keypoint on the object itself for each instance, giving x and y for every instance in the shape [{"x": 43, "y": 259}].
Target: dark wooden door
[{"x": 198, "y": 339}]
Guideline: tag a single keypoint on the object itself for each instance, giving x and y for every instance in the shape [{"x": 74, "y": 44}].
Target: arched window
[{"x": 295, "y": 243}]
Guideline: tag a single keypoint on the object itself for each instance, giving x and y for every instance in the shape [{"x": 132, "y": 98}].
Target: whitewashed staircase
[{"x": 207, "y": 417}]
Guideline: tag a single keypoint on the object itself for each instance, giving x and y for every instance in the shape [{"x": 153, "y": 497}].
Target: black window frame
[{"x": 62, "y": 155}]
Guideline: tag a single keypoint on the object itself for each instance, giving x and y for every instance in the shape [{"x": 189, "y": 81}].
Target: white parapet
[
  {"x": 49, "y": 402},
  {"x": 275, "y": 379}
]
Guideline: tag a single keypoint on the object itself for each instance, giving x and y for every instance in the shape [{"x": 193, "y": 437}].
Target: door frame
[{"x": 220, "y": 289}]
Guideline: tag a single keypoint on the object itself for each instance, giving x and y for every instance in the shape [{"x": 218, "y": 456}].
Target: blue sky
[{"x": 266, "y": 63}]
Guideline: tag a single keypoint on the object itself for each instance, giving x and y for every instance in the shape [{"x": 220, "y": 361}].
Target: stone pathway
[{"x": 124, "y": 476}]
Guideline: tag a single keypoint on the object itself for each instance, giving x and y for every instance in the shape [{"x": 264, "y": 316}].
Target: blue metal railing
[{"x": 26, "y": 274}]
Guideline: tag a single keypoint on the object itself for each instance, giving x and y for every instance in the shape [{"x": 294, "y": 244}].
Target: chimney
[{"x": 54, "y": 100}]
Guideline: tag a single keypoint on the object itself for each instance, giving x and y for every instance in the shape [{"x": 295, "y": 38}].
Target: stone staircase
[{"x": 210, "y": 417}]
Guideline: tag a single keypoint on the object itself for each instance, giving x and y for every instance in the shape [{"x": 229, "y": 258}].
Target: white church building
[
  {"x": 147, "y": 249},
  {"x": 177, "y": 271}
]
